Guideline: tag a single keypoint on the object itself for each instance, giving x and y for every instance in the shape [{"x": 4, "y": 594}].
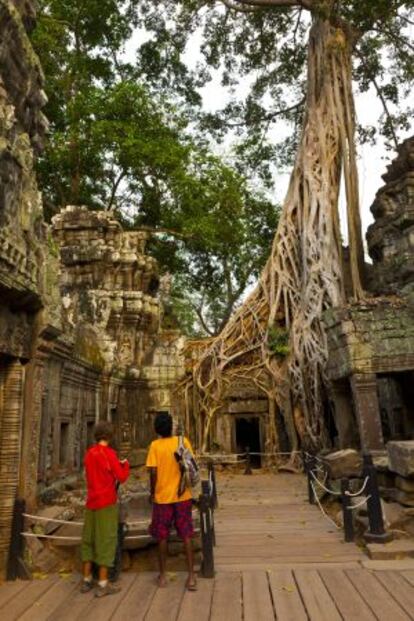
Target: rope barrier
[
  {"x": 38, "y": 518},
  {"x": 78, "y": 539},
  {"x": 218, "y": 455},
  {"x": 322, "y": 509},
  {"x": 348, "y": 493},
  {"x": 329, "y": 491},
  {"x": 313, "y": 456},
  {"x": 360, "y": 504},
  {"x": 68, "y": 538}
]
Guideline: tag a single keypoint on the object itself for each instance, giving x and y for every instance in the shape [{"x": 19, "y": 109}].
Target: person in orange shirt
[{"x": 168, "y": 507}]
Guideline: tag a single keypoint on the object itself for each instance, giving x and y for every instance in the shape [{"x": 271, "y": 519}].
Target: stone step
[
  {"x": 394, "y": 550},
  {"x": 405, "y": 564}
]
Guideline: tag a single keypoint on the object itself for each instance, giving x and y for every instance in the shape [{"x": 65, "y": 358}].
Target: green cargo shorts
[{"x": 100, "y": 536}]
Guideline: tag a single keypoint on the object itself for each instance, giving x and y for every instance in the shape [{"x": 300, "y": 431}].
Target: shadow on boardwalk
[{"x": 276, "y": 557}]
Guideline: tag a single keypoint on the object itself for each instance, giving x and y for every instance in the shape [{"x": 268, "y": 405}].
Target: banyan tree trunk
[{"x": 303, "y": 275}]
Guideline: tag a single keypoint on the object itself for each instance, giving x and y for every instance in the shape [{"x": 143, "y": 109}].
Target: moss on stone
[
  {"x": 31, "y": 57},
  {"x": 87, "y": 348}
]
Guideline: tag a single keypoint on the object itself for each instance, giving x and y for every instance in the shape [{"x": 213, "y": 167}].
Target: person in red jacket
[{"x": 100, "y": 530}]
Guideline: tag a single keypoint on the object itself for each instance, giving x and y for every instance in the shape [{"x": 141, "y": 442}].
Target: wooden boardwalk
[
  {"x": 277, "y": 560},
  {"x": 265, "y": 522}
]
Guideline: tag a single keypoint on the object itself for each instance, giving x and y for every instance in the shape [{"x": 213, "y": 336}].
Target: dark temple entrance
[{"x": 248, "y": 435}]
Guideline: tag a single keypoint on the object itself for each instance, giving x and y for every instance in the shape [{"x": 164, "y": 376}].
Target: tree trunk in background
[{"x": 303, "y": 275}]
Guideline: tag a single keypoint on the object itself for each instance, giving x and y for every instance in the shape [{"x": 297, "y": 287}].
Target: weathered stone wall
[
  {"x": 80, "y": 335},
  {"x": 22, "y": 237},
  {"x": 391, "y": 237},
  {"x": 111, "y": 360},
  {"x": 375, "y": 337},
  {"x": 371, "y": 344}
]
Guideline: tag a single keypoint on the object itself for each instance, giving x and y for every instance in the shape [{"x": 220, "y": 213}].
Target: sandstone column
[
  {"x": 31, "y": 431},
  {"x": 364, "y": 389},
  {"x": 12, "y": 380}
]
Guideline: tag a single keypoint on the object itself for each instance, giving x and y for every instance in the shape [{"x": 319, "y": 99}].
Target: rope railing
[
  {"x": 40, "y": 518},
  {"x": 313, "y": 466},
  {"x": 207, "y": 503},
  {"x": 255, "y": 453},
  {"x": 322, "y": 486},
  {"x": 322, "y": 509}
]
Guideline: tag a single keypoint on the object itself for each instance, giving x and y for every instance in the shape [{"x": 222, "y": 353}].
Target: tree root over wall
[{"x": 303, "y": 275}]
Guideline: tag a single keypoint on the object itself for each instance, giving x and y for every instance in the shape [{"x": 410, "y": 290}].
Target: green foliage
[
  {"x": 266, "y": 47},
  {"x": 122, "y": 139},
  {"x": 278, "y": 341}
]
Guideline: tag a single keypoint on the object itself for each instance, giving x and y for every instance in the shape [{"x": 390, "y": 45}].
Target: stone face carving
[{"x": 391, "y": 237}]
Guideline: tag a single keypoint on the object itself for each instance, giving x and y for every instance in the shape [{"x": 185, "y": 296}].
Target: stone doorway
[
  {"x": 248, "y": 434},
  {"x": 396, "y": 403}
]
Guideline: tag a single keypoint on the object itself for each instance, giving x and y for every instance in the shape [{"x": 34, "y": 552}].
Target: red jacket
[{"x": 103, "y": 470}]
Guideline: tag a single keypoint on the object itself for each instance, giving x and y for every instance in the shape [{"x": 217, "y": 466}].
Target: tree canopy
[
  {"x": 263, "y": 43},
  {"x": 121, "y": 141}
]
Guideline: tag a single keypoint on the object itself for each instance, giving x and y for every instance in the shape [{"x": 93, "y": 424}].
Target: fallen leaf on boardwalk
[
  {"x": 38, "y": 575},
  {"x": 65, "y": 574},
  {"x": 327, "y": 556},
  {"x": 172, "y": 576},
  {"x": 289, "y": 589}
]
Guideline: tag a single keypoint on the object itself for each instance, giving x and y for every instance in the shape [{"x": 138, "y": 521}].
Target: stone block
[
  {"x": 46, "y": 561},
  {"x": 49, "y": 495},
  {"x": 52, "y": 513},
  {"x": 137, "y": 457},
  {"x": 401, "y": 457},
  {"x": 344, "y": 463},
  {"x": 394, "y": 550},
  {"x": 248, "y": 405},
  {"x": 404, "y": 484},
  {"x": 404, "y": 498}
]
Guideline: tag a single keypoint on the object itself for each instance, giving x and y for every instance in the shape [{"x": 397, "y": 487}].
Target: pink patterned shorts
[{"x": 177, "y": 513}]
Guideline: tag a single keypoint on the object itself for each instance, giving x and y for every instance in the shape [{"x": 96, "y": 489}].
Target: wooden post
[
  {"x": 207, "y": 490},
  {"x": 248, "y": 469},
  {"x": 376, "y": 533},
  {"x": 309, "y": 466},
  {"x": 15, "y": 566},
  {"x": 207, "y": 565},
  {"x": 347, "y": 512},
  {"x": 212, "y": 478}
]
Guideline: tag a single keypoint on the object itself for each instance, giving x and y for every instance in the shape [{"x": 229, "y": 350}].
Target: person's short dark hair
[
  {"x": 163, "y": 424},
  {"x": 104, "y": 430}
]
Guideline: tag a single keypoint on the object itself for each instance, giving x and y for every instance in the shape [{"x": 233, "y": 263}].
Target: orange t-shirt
[{"x": 161, "y": 456}]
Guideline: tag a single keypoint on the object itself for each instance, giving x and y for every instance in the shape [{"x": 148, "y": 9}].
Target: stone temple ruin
[
  {"x": 81, "y": 334},
  {"x": 371, "y": 345}
]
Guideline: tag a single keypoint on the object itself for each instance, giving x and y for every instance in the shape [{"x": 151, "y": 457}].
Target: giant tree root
[{"x": 303, "y": 275}]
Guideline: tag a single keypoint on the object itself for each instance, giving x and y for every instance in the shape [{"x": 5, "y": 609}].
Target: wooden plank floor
[
  {"x": 265, "y": 522},
  {"x": 280, "y": 595},
  {"x": 277, "y": 559}
]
